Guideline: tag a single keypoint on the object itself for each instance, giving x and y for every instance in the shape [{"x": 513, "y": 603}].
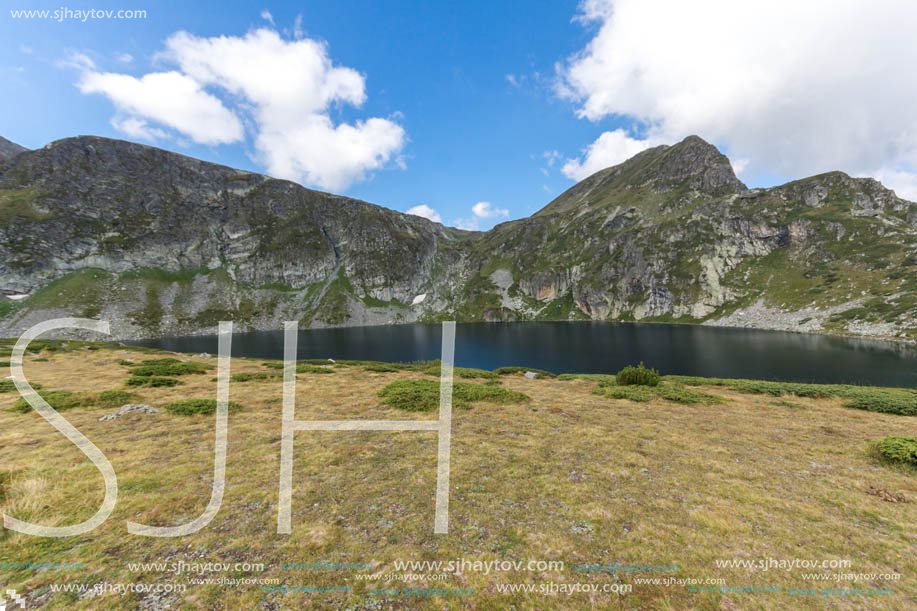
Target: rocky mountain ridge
[{"x": 163, "y": 244}]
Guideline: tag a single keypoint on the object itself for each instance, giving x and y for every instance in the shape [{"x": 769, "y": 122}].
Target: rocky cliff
[{"x": 162, "y": 244}]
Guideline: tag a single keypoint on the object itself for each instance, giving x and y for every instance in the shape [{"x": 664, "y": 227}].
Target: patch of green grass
[
  {"x": 8, "y": 386},
  {"x": 302, "y": 368},
  {"x": 248, "y": 376},
  {"x": 605, "y": 378},
  {"x": 463, "y": 372},
  {"x": 423, "y": 395},
  {"x": 789, "y": 404},
  {"x": 189, "y": 407},
  {"x": 40, "y": 359},
  {"x": 167, "y": 369},
  {"x": 638, "y": 394},
  {"x": 19, "y": 204},
  {"x": 901, "y": 401},
  {"x": 153, "y": 382},
  {"x": 898, "y": 450},
  {"x": 505, "y": 371},
  {"x": 64, "y": 400},
  {"x": 114, "y": 398}
]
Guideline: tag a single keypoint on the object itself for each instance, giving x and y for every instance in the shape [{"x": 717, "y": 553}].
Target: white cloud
[
  {"x": 283, "y": 89},
  {"x": 904, "y": 183},
  {"x": 426, "y": 212},
  {"x": 479, "y": 212},
  {"x": 290, "y": 87},
  {"x": 610, "y": 149},
  {"x": 125, "y": 58},
  {"x": 472, "y": 224},
  {"x": 485, "y": 210},
  {"x": 513, "y": 80},
  {"x": 266, "y": 15},
  {"x": 170, "y": 98},
  {"x": 25, "y": 50},
  {"x": 138, "y": 128},
  {"x": 793, "y": 88},
  {"x": 551, "y": 157}
]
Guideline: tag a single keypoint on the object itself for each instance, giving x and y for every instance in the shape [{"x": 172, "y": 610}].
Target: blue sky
[{"x": 456, "y": 105}]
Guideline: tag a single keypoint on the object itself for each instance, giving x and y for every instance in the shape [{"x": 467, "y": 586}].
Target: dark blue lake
[{"x": 598, "y": 347}]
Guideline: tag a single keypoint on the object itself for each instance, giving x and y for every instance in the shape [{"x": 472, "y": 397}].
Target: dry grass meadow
[{"x": 570, "y": 475}]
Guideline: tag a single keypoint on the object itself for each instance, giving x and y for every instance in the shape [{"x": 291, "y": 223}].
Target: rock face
[
  {"x": 162, "y": 244},
  {"x": 8, "y": 149}
]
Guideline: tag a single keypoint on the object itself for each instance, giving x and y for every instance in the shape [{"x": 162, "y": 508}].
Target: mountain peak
[
  {"x": 8, "y": 149},
  {"x": 699, "y": 164},
  {"x": 693, "y": 163}
]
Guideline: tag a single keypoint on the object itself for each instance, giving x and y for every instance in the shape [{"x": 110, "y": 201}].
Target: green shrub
[
  {"x": 313, "y": 369},
  {"x": 505, "y": 371},
  {"x": 246, "y": 376},
  {"x": 114, "y": 398},
  {"x": 179, "y": 368},
  {"x": 423, "y": 395},
  {"x": 462, "y": 372},
  {"x": 899, "y": 450},
  {"x": 60, "y": 400},
  {"x": 686, "y": 396},
  {"x": 637, "y": 376},
  {"x": 4, "y": 363},
  {"x": 40, "y": 359},
  {"x": 153, "y": 381},
  {"x": 301, "y": 368},
  {"x": 901, "y": 401},
  {"x": 8, "y": 386},
  {"x": 604, "y": 378},
  {"x": 64, "y": 399},
  {"x": 380, "y": 368},
  {"x": 640, "y": 394},
  {"x": 189, "y": 407}
]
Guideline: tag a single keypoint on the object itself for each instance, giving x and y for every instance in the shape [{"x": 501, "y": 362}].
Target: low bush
[
  {"x": 164, "y": 369},
  {"x": 380, "y": 368},
  {"x": 8, "y": 386},
  {"x": 505, "y": 371},
  {"x": 62, "y": 400},
  {"x": 114, "y": 398},
  {"x": 639, "y": 394},
  {"x": 637, "y": 376},
  {"x": 675, "y": 393},
  {"x": 686, "y": 396},
  {"x": 462, "y": 372},
  {"x": 423, "y": 395},
  {"x": 313, "y": 369},
  {"x": 189, "y": 407},
  {"x": 901, "y": 401},
  {"x": 247, "y": 376},
  {"x": 899, "y": 450},
  {"x": 604, "y": 378},
  {"x": 4, "y": 363},
  {"x": 301, "y": 368},
  {"x": 153, "y": 382}
]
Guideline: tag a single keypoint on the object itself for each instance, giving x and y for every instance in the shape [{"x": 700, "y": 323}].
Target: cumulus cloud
[
  {"x": 486, "y": 210},
  {"x": 138, "y": 128},
  {"x": 170, "y": 98},
  {"x": 479, "y": 212},
  {"x": 284, "y": 89},
  {"x": 266, "y": 15},
  {"x": 793, "y": 88},
  {"x": 610, "y": 149},
  {"x": 426, "y": 212}
]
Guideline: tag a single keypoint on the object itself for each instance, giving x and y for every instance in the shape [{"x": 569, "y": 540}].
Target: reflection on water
[{"x": 599, "y": 347}]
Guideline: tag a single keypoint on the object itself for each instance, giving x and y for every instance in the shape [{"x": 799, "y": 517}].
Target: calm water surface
[{"x": 598, "y": 347}]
